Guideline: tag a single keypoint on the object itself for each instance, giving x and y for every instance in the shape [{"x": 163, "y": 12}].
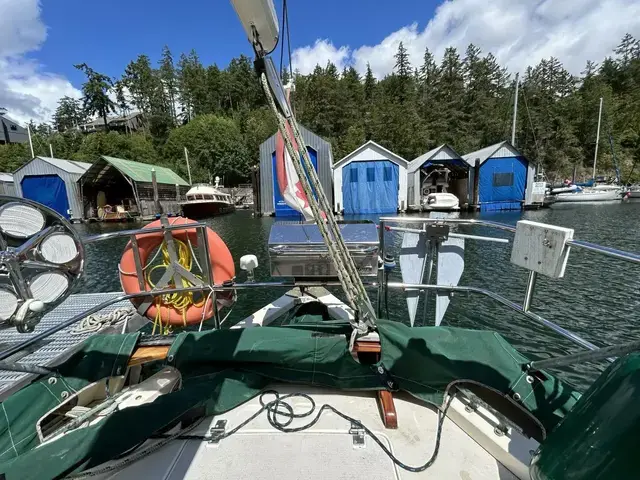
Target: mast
[
  {"x": 33, "y": 155},
  {"x": 515, "y": 114},
  {"x": 186, "y": 156},
  {"x": 595, "y": 155}
]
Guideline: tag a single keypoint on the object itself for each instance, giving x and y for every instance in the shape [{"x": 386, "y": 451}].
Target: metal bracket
[
  {"x": 358, "y": 435},
  {"x": 437, "y": 232},
  {"x": 216, "y": 433},
  {"x": 501, "y": 430}
]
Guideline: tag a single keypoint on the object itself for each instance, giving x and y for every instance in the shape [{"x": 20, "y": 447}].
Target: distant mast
[
  {"x": 33, "y": 155},
  {"x": 515, "y": 113},
  {"x": 595, "y": 155},
  {"x": 186, "y": 156}
]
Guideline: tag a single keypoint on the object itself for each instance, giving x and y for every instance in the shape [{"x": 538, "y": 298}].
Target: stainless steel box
[{"x": 297, "y": 250}]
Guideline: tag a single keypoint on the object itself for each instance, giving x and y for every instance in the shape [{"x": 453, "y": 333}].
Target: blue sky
[
  {"x": 40, "y": 40},
  {"x": 122, "y": 29}
]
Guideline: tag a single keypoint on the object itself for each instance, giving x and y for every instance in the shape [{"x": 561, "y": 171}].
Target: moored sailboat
[{"x": 260, "y": 397}]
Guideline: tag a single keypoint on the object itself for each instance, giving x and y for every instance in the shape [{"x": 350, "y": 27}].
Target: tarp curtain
[
  {"x": 370, "y": 187},
  {"x": 49, "y": 190},
  {"x": 502, "y": 184}
]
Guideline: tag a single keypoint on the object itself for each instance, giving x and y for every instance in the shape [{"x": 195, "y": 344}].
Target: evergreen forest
[{"x": 464, "y": 99}]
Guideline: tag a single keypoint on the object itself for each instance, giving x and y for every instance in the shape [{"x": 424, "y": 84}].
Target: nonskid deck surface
[
  {"x": 325, "y": 450},
  {"x": 57, "y": 346}
]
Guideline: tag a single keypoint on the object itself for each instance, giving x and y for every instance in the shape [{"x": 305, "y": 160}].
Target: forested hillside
[{"x": 465, "y": 99}]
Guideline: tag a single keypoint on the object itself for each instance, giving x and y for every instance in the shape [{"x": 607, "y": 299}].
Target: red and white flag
[{"x": 288, "y": 179}]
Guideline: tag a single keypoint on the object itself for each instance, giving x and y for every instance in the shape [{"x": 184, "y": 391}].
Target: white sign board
[{"x": 539, "y": 188}]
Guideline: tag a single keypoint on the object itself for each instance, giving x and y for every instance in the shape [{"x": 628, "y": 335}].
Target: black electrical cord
[{"x": 278, "y": 407}]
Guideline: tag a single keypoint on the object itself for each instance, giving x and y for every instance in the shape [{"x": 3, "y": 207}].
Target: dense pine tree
[{"x": 464, "y": 99}]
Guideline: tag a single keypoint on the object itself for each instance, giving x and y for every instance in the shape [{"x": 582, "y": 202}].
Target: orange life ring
[{"x": 221, "y": 263}]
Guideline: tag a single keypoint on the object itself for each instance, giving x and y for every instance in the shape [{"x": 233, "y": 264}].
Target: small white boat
[
  {"x": 601, "y": 193},
  {"x": 435, "y": 195},
  {"x": 443, "y": 202},
  {"x": 567, "y": 189}
]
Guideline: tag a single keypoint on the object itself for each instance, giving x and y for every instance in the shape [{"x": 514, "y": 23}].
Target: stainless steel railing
[
  {"x": 210, "y": 286},
  {"x": 523, "y": 309}
]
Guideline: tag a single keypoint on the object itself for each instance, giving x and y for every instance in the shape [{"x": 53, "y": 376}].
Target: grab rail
[
  {"x": 213, "y": 288},
  {"x": 523, "y": 309}
]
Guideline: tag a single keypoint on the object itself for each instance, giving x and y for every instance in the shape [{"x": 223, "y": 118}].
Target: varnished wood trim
[
  {"x": 387, "y": 409},
  {"x": 148, "y": 354}
]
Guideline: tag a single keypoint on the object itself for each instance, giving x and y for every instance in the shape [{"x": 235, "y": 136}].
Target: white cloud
[
  {"x": 27, "y": 91},
  {"x": 306, "y": 58},
  {"x": 518, "y": 32}
]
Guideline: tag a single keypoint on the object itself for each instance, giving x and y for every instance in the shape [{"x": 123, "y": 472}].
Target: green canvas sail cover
[{"x": 222, "y": 369}]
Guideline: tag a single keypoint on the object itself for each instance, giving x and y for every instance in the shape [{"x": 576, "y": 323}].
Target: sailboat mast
[
  {"x": 33, "y": 155},
  {"x": 515, "y": 114},
  {"x": 595, "y": 156},
  {"x": 186, "y": 157}
]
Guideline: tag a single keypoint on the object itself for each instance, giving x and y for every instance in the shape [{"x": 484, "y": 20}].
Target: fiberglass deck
[{"x": 324, "y": 451}]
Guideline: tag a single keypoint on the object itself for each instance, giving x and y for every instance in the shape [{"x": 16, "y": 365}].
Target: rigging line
[
  {"x": 506, "y": 114},
  {"x": 289, "y": 41},
  {"x": 284, "y": 16},
  {"x": 345, "y": 266},
  {"x": 533, "y": 130},
  {"x": 341, "y": 270}
]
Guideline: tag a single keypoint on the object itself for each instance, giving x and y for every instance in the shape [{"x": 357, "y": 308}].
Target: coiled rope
[
  {"x": 180, "y": 301},
  {"x": 96, "y": 322}
]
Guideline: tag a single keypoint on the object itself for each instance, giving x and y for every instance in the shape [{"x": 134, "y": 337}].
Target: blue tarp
[
  {"x": 281, "y": 208},
  {"x": 49, "y": 190},
  {"x": 502, "y": 183},
  {"x": 370, "y": 187}
]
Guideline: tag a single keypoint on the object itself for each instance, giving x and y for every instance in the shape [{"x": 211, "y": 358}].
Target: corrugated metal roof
[
  {"x": 11, "y": 131},
  {"x": 141, "y": 172},
  {"x": 371, "y": 144},
  {"x": 6, "y": 177},
  {"x": 488, "y": 152},
  {"x": 443, "y": 152},
  {"x": 70, "y": 166},
  {"x": 45, "y": 166}
]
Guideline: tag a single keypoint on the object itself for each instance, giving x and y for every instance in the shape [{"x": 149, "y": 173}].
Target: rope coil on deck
[{"x": 96, "y": 322}]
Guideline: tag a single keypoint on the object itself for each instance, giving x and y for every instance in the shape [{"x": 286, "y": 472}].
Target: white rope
[{"x": 96, "y": 322}]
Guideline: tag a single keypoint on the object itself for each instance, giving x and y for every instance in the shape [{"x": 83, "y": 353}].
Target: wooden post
[
  {"x": 476, "y": 184},
  {"x": 156, "y": 199},
  {"x": 178, "y": 209},
  {"x": 255, "y": 186}
]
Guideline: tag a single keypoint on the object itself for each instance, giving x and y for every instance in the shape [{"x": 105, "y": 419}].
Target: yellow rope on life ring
[{"x": 180, "y": 301}]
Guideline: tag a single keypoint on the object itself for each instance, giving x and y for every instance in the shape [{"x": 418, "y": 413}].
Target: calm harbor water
[{"x": 599, "y": 298}]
